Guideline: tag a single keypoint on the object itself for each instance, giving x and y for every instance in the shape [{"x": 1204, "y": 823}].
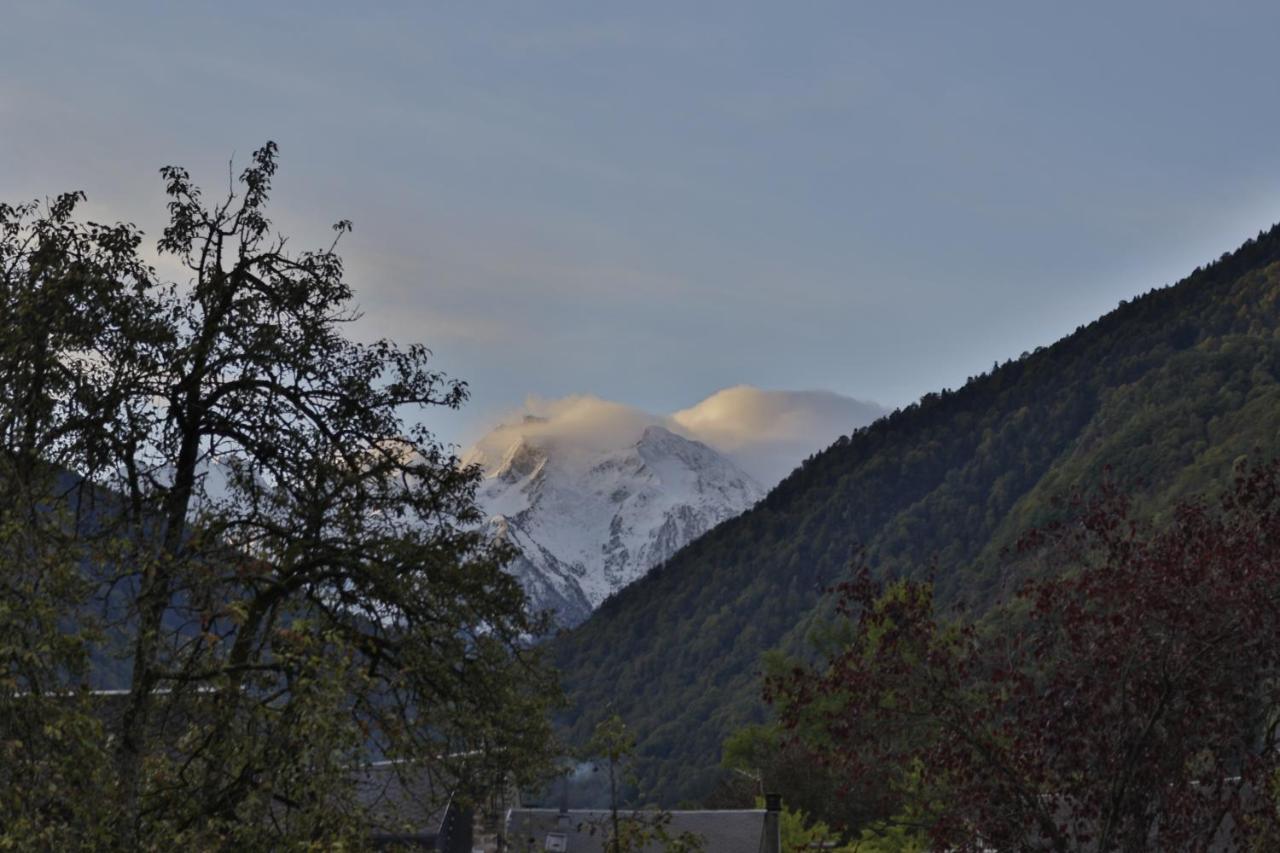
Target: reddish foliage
[{"x": 1127, "y": 702}]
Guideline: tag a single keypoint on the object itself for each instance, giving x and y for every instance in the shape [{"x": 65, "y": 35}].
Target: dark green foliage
[
  {"x": 332, "y": 603},
  {"x": 1167, "y": 390}
]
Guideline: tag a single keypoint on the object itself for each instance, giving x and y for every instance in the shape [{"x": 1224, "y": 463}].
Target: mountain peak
[
  {"x": 659, "y": 439},
  {"x": 588, "y": 521},
  {"x": 655, "y": 433},
  {"x": 522, "y": 460}
]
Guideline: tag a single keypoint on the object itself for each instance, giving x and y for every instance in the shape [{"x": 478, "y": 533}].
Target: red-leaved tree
[{"x": 1125, "y": 700}]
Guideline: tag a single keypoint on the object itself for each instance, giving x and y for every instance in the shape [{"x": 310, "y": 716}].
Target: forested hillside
[{"x": 1167, "y": 390}]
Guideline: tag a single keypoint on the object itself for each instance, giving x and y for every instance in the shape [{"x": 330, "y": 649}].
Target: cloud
[
  {"x": 767, "y": 433},
  {"x": 578, "y": 423}
]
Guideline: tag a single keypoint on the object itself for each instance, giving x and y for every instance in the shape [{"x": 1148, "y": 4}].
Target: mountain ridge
[{"x": 1167, "y": 389}]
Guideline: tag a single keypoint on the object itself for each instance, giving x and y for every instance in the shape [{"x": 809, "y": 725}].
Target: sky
[{"x": 650, "y": 202}]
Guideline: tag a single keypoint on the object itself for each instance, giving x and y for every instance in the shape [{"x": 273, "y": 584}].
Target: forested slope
[{"x": 1167, "y": 390}]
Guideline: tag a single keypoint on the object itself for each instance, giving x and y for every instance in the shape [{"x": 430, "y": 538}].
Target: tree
[
  {"x": 614, "y": 744},
  {"x": 66, "y": 289},
  {"x": 633, "y": 832},
  {"x": 1127, "y": 699},
  {"x": 823, "y": 809},
  {"x": 289, "y": 571}
]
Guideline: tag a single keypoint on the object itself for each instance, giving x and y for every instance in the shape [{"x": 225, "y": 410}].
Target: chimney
[{"x": 772, "y": 840}]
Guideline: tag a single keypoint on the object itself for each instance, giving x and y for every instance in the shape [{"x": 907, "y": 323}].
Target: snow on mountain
[{"x": 589, "y": 520}]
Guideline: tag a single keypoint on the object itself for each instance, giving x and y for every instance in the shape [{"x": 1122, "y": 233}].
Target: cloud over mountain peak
[{"x": 766, "y": 432}]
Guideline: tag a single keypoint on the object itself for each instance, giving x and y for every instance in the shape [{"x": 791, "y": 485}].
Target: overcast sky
[{"x": 649, "y": 202}]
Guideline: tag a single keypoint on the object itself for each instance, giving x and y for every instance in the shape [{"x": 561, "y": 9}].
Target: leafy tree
[
  {"x": 822, "y": 805},
  {"x": 763, "y": 758},
  {"x": 801, "y": 833},
  {"x": 613, "y": 744},
  {"x": 1128, "y": 700},
  {"x": 66, "y": 289},
  {"x": 635, "y": 831},
  {"x": 285, "y": 569}
]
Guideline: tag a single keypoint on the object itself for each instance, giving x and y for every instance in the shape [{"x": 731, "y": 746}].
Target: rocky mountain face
[{"x": 588, "y": 522}]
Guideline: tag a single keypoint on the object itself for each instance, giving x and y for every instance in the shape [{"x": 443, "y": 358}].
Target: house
[
  {"x": 403, "y": 811},
  {"x": 586, "y": 830}
]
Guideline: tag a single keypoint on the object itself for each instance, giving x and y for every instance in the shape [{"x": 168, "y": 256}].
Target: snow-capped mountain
[{"x": 589, "y": 521}]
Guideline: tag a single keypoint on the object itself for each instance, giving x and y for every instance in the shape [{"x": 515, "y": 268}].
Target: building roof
[
  {"x": 585, "y": 830},
  {"x": 401, "y": 799}
]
